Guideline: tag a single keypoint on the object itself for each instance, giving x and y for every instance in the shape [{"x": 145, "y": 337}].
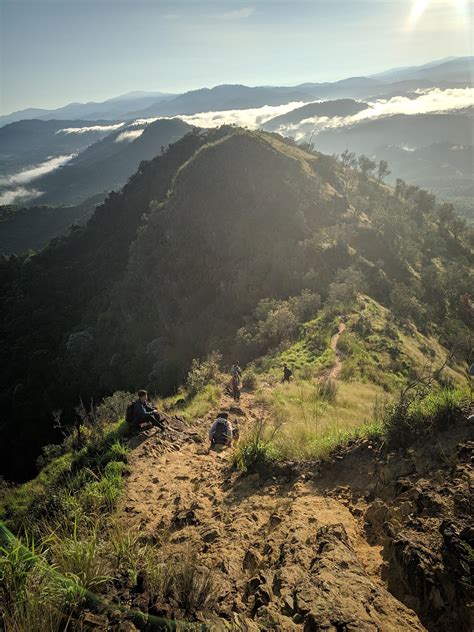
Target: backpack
[
  {"x": 220, "y": 434},
  {"x": 130, "y": 413}
]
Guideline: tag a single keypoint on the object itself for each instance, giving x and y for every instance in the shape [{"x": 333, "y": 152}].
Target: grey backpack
[{"x": 220, "y": 434}]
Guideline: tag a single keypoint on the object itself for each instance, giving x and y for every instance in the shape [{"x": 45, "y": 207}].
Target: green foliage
[
  {"x": 326, "y": 389},
  {"x": 113, "y": 408},
  {"x": 256, "y": 449},
  {"x": 205, "y": 400},
  {"x": 163, "y": 284},
  {"x": 250, "y": 380},
  {"x": 275, "y": 323},
  {"x": 415, "y": 415},
  {"x": 203, "y": 373}
]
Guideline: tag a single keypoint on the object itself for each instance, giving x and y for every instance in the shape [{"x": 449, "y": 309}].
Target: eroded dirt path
[
  {"x": 285, "y": 554},
  {"x": 336, "y": 369}
]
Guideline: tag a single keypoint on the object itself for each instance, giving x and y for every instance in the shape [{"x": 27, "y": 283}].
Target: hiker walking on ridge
[
  {"x": 287, "y": 374},
  {"x": 236, "y": 370},
  {"x": 236, "y": 373},
  {"x": 235, "y": 387},
  {"x": 141, "y": 411},
  {"x": 221, "y": 432}
]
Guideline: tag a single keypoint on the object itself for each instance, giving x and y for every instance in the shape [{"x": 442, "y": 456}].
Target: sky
[{"x": 54, "y": 52}]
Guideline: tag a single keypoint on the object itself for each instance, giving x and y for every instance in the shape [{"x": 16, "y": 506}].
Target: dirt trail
[
  {"x": 285, "y": 554},
  {"x": 336, "y": 369}
]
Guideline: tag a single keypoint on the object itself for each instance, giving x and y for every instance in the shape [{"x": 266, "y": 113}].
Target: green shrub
[
  {"x": 256, "y": 449},
  {"x": 415, "y": 415},
  {"x": 326, "y": 389},
  {"x": 203, "y": 373},
  {"x": 113, "y": 408},
  {"x": 249, "y": 381}
]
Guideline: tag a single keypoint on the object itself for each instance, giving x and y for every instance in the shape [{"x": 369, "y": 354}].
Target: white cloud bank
[
  {"x": 20, "y": 194},
  {"x": 129, "y": 135},
  {"x": 428, "y": 101},
  {"x": 91, "y": 128},
  {"x": 32, "y": 173},
  {"x": 251, "y": 118},
  {"x": 12, "y": 187}
]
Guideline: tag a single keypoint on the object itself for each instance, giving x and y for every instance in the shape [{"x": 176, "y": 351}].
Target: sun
[{"x": 420, "y": 6}]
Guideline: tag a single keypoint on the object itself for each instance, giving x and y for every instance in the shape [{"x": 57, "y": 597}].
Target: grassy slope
[{"x": 306, "y": 423}]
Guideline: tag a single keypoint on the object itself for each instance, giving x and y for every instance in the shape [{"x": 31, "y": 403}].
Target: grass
[
  {"x": 307, "y": 424},
  {"x": 417, "y": 414},
  {"x": 203, "y": 402}
]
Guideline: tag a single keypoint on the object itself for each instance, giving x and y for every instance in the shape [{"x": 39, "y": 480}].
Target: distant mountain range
[
  {"x": 66, "y": 162},
  {"x": 457, "y": 72}
]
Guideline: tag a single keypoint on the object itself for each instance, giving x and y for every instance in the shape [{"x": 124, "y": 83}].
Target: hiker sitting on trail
[
  {"x": 144, "y": 412},
  {"x": 221, "y": 431},
  {"x": 287, "y": 374}
]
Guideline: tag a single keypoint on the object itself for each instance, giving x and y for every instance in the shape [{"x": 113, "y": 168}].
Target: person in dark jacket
[
  {"x": 287, "y": 374},
  {"x": 144, "y": 412}
]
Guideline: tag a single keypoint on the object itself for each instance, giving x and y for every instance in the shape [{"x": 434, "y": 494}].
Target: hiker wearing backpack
[
  {"x": 221, "y": 432},
  {"x": 235, "y": 387},
  {"x": 287, "y": 374},
  {"x": 141, "y": 411},
  {"x": 236, "y": 371}
]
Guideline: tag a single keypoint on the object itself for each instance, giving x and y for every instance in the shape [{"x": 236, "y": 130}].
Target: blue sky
[{"x": 57, "y": 51}]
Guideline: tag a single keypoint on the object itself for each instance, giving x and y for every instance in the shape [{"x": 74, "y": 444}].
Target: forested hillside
[{"x": 177, "y": 264}]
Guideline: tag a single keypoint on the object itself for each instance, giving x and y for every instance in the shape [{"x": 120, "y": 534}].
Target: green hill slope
[{"x": 173, "y": 266}]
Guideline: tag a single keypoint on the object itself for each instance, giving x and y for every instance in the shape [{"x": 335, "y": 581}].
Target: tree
[
  {"x": 366, "y": 166},
  {"x": 424, "y": 201},
  {"x": 445, "y": 214},
  {"x": 458, "y": 225},
  {"x": 348, "y": 159},
  {"x": 383, "y": 171},
  {"x": 400, "y": 188}
]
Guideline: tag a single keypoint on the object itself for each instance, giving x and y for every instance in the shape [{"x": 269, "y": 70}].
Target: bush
[
  {"x": 249, "y": 381},
  {"x": 203, "y": 373},
  {"x": 327, "y": 389},
  {"x": 416, "y": 415},
  {"x": 113, "y": 408},
  {"x": 256, "y": 449}
]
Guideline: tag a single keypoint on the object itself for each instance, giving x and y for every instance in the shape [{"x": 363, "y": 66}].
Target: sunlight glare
[{"x": 419, "y": 7}]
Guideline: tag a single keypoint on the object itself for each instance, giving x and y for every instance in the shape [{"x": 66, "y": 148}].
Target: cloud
[
  {"x": 129, "y": 135},
  {"x": 92, "y": 128},
  {"x": 432, "y": 100},
  {"x": 251, "y": 118},
  {"x": 428, "y": 101},
  {"x": 12, "y": 189},
  {"x": 27, "y": 175},
  {"x": 236, "y": 14},
  {"x": 21, "y": 194}
]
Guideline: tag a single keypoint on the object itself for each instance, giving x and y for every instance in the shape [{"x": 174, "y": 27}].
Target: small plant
[
  {"x": 78, "y": 556},
  {"x": 249, "y": 381},
  {"x": 256, "y": 449},
  {"x": 418, "y": 412},
  {"x": 203, "y": 373},
  {"x": 327, "y": 389},
  {"x": 113, "y": 407}
]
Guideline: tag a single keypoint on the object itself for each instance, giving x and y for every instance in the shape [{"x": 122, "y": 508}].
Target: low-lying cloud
[
  {"x": 129, "y": 135},
  {"x": 12, "y": 189},
  {"x": 251, "y": 118},
  {"x": 90, "y": 128},
  {"x": 427, "y": 101},
  {"x": 20, "y": 194},
  {"x": 32, "y": 173}
]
